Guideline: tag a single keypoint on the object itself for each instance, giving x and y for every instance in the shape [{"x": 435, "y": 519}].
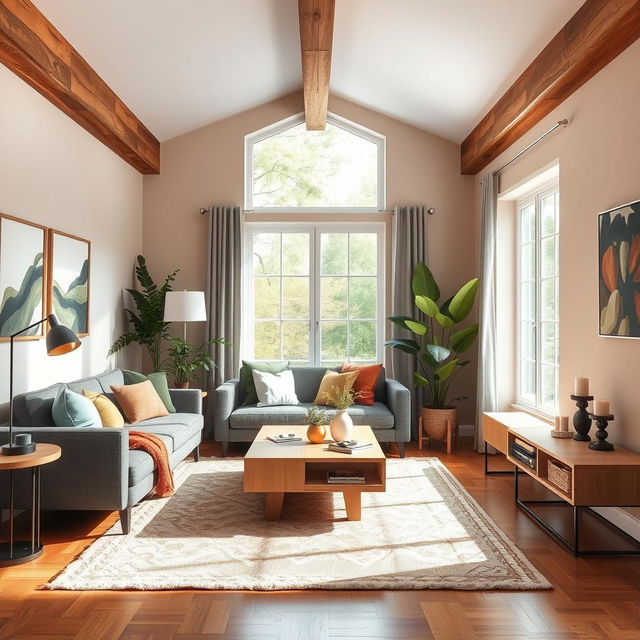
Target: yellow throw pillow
[
  {"x": 139, "y": 401},
  {"x": 108, "y": 411},
  {"x": 334, "y": 383}
]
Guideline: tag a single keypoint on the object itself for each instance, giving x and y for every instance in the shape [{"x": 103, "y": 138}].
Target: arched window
[{"x": 291, "y": 169}]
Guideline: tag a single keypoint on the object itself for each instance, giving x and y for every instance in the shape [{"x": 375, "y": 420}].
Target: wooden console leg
[
  {"x": 420, "y": 432},
  {"x": 353, "y": 503},
  {"x": 273, "y": 505},
  {"x": 449, "y": 429}
]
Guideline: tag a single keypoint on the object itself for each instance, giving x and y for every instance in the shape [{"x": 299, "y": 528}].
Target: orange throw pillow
[
  {"x": 366, "y": 381},
  {"x": 139, "y": 401}
]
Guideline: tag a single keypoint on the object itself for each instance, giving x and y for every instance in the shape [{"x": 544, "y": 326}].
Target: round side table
[{"x": 19, "y": 551}]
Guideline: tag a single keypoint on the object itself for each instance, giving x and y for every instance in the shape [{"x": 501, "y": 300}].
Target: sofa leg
[
  {"x": 225, "y": 448},
  {"x": 401, "y": 449},
  {"x": 196, "y": 454},
  {"x": 125, "y": 520}
]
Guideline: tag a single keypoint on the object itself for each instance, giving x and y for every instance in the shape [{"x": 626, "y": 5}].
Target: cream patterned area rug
[{"x": 425, "y": 532}]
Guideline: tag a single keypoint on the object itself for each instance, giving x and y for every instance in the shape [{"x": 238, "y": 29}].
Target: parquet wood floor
[{"x": 593, "y": 598}]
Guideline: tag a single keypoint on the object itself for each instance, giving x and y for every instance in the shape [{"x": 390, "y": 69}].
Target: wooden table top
[
  {"x": 263, "y": 448},
  {"x": 43, "y": 454}
]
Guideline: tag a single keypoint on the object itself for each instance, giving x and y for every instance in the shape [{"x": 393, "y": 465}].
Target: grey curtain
[
  {"x": 409, "y": 248},
  {"x": 223, "y": 295},
  {"x": 487, "y": 395}
]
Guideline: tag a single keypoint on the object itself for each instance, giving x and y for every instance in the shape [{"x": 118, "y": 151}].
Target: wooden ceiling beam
[
  {"x": 316, "y": 40},
  {"x": 37, "y": 52},
  {"x": 598, "y": 32}
]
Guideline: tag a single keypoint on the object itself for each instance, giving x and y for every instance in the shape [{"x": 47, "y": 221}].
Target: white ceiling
[{"x": 181, "y": 65}]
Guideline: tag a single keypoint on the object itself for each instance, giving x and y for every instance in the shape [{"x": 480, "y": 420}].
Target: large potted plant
[
  {"x": 437, "y": 346},
  {"x": 186, "y": 360},
  {"x": 147, "y": 321}
]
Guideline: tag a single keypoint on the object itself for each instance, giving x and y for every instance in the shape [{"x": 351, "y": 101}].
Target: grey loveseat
[
  {"x": 389, "y": 416},
  {"x": 97, "y": 471}
]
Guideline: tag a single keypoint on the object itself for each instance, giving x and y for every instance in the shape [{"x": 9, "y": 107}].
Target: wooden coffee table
[{"x": 301, "y": 467}]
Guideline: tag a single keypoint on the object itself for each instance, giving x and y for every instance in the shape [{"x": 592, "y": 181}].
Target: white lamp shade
[{"x": 184, "y": 306}]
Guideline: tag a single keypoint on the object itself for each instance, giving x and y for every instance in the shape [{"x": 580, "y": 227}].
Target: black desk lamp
[{"x": 60, "y": 340}]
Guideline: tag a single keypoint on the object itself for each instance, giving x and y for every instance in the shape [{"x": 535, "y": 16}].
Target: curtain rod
[
  {"x": 431, "y": 211},
  {"x": 560, "y": 123}
]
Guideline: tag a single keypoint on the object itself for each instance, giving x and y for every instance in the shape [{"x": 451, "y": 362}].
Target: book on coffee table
[
  {"x": 345, "y": 476},
  {"x": 284, "y": 437},
  {"x": 349, "y": 446}
]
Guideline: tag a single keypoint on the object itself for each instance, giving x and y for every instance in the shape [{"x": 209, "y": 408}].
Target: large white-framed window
[
  {"x": 538, "y": 298},
  {"x": 290, "y": 169},
  {"x": 313, "y": 292}
]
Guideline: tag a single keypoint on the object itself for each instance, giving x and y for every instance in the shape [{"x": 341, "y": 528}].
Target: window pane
[
  {"x": 363, "y": 341},
  {"x": 266, "y": 253},
  {"x": 528, "y": 301},
  {"x": 528, "y": 262},
  {"x": 363, "y": 297},
  {"x": 295, "y": 341},
  {"x": 528, "y": 340},
  {"x": 549, "y": 342},
  {"x": 335, "y": 253},
  {"x": 266, "y": 294},
  {"x": 528, "y": 380},
  {"x": 266, "y": 341},
  {"x": 334, "y": 294},
  {"x": 548, "y": 299},
  {"x": 295, "y": 254},
  {"x": 548, "y": 382},
  {"x": 528, "y": 224},
  {"x": 549, "y": 256},
  {"x": 333, "y": 345},
  {"x": 364, "y": 254},
  {"x": 300, "y": 168},
  {"x": 295, "y": 298},
  {"x": 549, "y": 215}
]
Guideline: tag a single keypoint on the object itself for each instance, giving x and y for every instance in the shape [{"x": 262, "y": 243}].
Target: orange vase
[{"x": 316, "y": 433}]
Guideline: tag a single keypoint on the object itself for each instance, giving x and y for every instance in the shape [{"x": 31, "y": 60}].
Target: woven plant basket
[{"x": 434, "y": 421}]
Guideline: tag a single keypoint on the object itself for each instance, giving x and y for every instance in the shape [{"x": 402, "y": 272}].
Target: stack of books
[
  {"x": 349, "y": 446},
  {"x": 284, "y": 437},
  {"x": 345, "y": 476}
]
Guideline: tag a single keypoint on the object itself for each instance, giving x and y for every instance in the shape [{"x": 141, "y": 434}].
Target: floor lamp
[
  {"x": 60, "y": 340},
  {"x": 185, "y": 306}
]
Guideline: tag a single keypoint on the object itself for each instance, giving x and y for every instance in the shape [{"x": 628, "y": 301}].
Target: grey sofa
[
  {"x": 389, "y": 416},
  {"x": 97, "y": 471}
]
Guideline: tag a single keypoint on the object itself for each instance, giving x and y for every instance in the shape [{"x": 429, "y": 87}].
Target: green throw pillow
[
  {"x": 70, "y": 409},
  {"x": 246, "y": 377},
  {"x": 159, "y": 382}
]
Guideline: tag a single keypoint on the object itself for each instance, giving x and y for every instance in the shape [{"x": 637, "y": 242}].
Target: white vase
[{"x": 341, "y": 426}]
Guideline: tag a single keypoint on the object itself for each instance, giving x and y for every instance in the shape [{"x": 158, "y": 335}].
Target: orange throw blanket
[{"x": 156, "y": 448}]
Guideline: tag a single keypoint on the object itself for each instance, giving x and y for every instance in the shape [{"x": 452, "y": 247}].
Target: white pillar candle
[
  {"x": 601, "y": 408},
  {"x": 564, "y": 423},
  {"x": 557, "y": 423},
  {"x": 581, "y": 387}
]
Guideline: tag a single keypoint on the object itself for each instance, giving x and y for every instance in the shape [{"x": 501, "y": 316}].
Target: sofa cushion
[
  {"x": 109, "y": 414},
  {"x": 110, "y": 377},
  {"x": 376, "y": 416},
  {"x": 71, "y": 409},
  {"x": 140, "y": 466},
  {"x": 248, "y": 385},
  {"x": 159, "y": 382},
  {"x": 39, "y": 405},
  {"x": 177, "y": 427},
  {"x": 90, "y": 384},
  {"x": 308, "y": 381},
  {"x": 139, "y": 401}
]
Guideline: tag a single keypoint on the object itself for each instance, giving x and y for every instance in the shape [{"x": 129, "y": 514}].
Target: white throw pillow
[{"x": 275, "y": 388}]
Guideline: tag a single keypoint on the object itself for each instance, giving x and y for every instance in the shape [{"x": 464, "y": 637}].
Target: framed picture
[
  {"x": 69, "y": 280},
  {"x": 619, "y": 271},
  {"x": 23, "y": 264}
]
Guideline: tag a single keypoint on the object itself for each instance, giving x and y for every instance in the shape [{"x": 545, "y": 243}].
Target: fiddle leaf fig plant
[{"x": 435, "y": 343}]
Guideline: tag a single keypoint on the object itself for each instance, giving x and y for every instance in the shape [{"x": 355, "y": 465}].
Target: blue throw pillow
[{"x": 70, "y": 409}]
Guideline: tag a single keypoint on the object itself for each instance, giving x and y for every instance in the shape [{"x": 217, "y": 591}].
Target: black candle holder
[
  {"x": 601, "y": 443},
  {"x": 581, "y": 419}
]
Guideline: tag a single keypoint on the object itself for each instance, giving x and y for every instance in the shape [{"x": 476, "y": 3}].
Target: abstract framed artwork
[
  {"x": 23, "y": 264},
  {"x": 619, "y": 271},
  {"x": 69, "y": 280}
]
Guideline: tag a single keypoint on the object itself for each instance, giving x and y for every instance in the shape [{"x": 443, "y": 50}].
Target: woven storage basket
[
  {"x": 434, "y": 421},
  {"x": 559, "y": 475}
]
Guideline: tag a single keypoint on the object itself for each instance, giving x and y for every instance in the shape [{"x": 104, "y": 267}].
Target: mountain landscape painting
[
  {"x": 69, "y": 280},
  {"x": 22, "y": 261}
]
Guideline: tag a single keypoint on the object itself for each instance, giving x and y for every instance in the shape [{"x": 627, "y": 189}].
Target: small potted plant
[
  {"x": 185, "y": 360},
  {"x": 341, "y": 424},
  {"x": 316, "y": 418}
]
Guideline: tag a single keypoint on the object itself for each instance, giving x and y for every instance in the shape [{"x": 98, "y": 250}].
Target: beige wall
[
  {"x": 599, "y": 169},
  {"x": 55, "y": 173},
  {"x": 206, "y": 166}
]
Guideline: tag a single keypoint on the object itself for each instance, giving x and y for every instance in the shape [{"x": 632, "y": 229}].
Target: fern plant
[{"x": 148, "y": 327}]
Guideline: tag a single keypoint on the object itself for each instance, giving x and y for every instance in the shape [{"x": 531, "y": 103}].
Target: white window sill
[{"x": 543, "y": 415}]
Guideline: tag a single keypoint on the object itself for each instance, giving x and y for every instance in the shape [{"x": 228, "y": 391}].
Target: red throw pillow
[{"x": 365, "y": 383}]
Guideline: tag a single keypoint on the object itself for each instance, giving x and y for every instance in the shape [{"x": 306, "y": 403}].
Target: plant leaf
[
  {"x": 444, "y": 321},
  {"x": 427, "y": 306},
  {"x": 408, "y": 346},
  {"x": 463, "y": 340},
  {"x": 446, "y": 370},
  {"x": 462, "y": 302},
  {"x": 439, "y": 354},
  {"x": 419, "y": 380},
  {"x": 416, "y": 327},
  {"x": 400, "y": 321},
  {"x": 423, "y": 282},
  {"x": 429, "y": 360}
]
